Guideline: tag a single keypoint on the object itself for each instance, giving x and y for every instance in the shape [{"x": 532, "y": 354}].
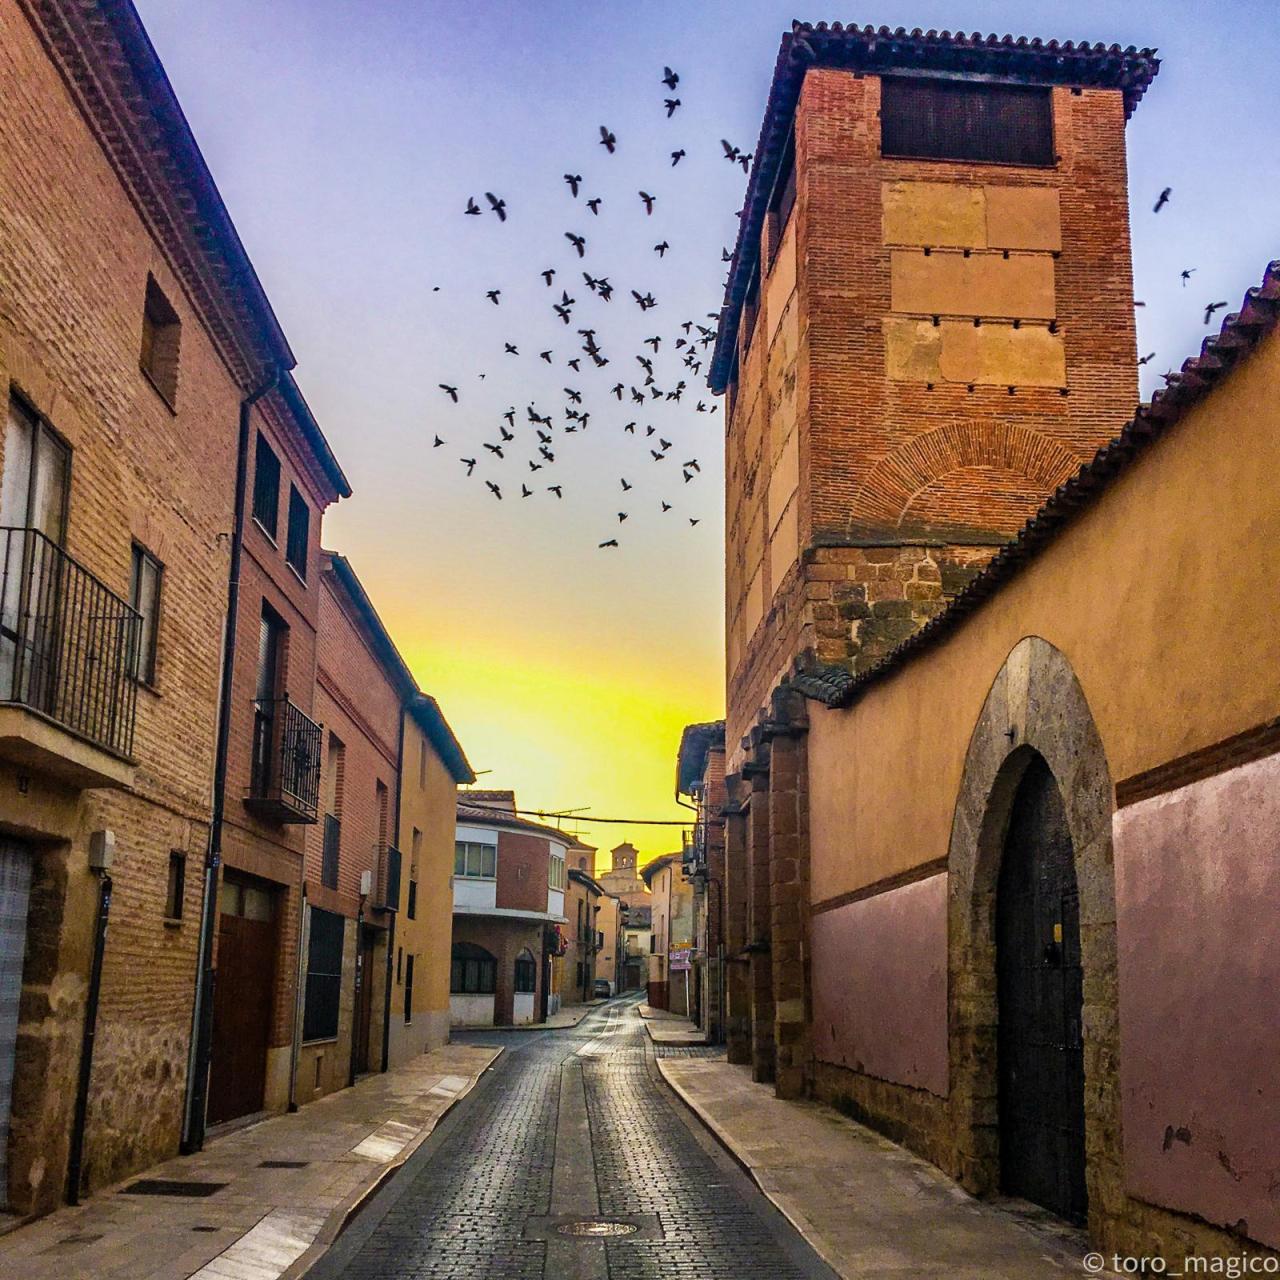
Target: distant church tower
[{"x": 928, "y": 327}]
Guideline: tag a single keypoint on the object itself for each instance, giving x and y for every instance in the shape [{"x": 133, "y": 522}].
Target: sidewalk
[
  {"x": 869, "y": 1208},
  {"x": 568, "y": 1016},
  {"x": 291, "y": 1182},
  {"x": 665, "y": 1027}
]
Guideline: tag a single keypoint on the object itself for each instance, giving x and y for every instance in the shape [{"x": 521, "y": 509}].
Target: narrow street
[{"x": 491, "y": 1193}]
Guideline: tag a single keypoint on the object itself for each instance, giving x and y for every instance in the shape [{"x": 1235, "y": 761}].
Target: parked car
[{"x": 602, "y": 989}]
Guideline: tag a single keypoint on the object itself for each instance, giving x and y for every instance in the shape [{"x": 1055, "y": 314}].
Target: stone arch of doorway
[{"x": 1035, "y": 707}]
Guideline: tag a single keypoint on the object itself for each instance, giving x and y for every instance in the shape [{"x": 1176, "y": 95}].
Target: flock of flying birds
[
  {"x": 1186, "y": 273},
  {"x": 520, "y": 459}
]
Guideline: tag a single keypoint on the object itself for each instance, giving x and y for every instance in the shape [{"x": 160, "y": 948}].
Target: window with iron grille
[
  {"x": 526, "y": 971},
  {"x": 324, "y": 976},
  {"x": 295, "y": 552},
  {"x": 472, "y": 970},
  {"x": 329, "y": 856},
  {"x": 936, "y": 119},
  {"x": 266, "y": 486}
]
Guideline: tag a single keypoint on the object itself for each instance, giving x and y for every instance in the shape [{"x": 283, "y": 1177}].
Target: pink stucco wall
[
  {"x": 1198, "y": 926},
  {"x": 880, "y": 985}
]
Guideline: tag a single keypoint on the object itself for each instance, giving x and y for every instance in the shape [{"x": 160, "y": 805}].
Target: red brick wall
[{"x": 523, "y": 864}]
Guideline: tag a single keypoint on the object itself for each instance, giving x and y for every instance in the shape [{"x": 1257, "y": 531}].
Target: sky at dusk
[{"x": 346, "y": 139}]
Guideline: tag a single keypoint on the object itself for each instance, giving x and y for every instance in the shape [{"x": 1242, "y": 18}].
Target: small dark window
[
  {"x": 472, "y": 970},
  {"x": 177, "y": 885},
  {"x": 144, "y": 595},
  {"x": 963, "y": 120},
  {"x": 412, "y": 910},
  {"x": 324, "y": 976},
  {"x": 161, "y": 332},
  {"x": 266, "y": 486},
  {"x": 408, "y": 990},
  {"x": 329, "y": 856},
  {"x": 295, "y": 552},
  {"x": 526, "y": 975}
]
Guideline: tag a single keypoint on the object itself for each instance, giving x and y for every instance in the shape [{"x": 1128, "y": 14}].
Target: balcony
[
  {"x": 385, "y": 895},
  {"x": 68, "y": 645},
  {"x": 285, "y": 780}
]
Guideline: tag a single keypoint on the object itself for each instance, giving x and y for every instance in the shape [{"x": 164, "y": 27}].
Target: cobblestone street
[{"x": 571, "y": 1126}]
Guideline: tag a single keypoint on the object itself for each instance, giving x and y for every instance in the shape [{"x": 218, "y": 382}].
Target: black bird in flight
[
  {"x": 745, "y": 160},
  {"x": 608, "y": 140},
  {"x": 625, "y": 484},
  {"x": 573, "y": 179},
  {"x": 731, "y": 153},
  {"x": 542, "y": 435},
  {"x": 575, "y": 364},
  {"x": 1187, "y": 274},
  {"x": 661, "y": 249},
  {"x": 525, "y": 491},
  {"x": 451, "y": 392},
  {"x": 670, "y": 78},
  {"x": 688, "y": 475},
  {"x": 578, "y": 242},
  {"x": 1147, "y": 358},
  {"x": 548, "y": 275},
  {"x": 692, "y": 464},
  {"x": 648, "y": 201},
  {"x": 574, "y": 396},
  {"x": 511, "y": 350},
  {"x": 562, "y": 312},
  {"x": 617, "y": 390},
  {"x": 605, "y": 289},
  {"x": 471, "y": 464},
  {"x": 631, "y": 427},
  {"x": 436, "y": 443},
  {"x": 657, "y": 457},
  {"x": 555, "y": 488},
  {"x": 1163, "y": 199},
  {"x": 613, "y": 542},
  {"x": 493, "y": 295},
  {"x": 510, "y": 416},
  {"x": 493, "y": 489},
  {"x": 671, "y": 104},
  {"x": 645, "y": 301},
  {"x": 535, "y": 466},
  {"x": 505, "y": 434},
  {"x": 472, "y": 208},
  {"x": 568, "y": 302},
  {"x": 654, "y": 342},
  {"x": 546, "y": 355},
  {"x": 594, "y": 205},
  {"x": 1211, "y": 308},
  {"x": 622, "y": 515},
  {"x": 725, "y": 256},
  {"x": 692, "y": 520},
  {"x": 498, "y": 206},
  {"x": 495, "y": 448},
  {"x": 666, "y": 506},
  {"x": 676, "y": 157}
]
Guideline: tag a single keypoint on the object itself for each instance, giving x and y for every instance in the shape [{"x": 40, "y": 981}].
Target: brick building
[
  {"x": 583, "y": 936},
  {"x": 670, "y": 977},
  {"x": 509, "y": 881},
  {"x": 995, "y": 846}
]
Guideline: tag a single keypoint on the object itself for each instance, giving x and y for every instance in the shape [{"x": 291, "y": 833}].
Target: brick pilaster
[
  {"x": 760, "y": 928},
  {"x": 737, "y": 1027}
]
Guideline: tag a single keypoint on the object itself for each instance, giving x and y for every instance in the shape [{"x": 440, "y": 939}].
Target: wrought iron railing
[
  {"x": 68, "y": 643},
  {"x": 285, "y": 779},
  {"x": 386, "y": 877}
]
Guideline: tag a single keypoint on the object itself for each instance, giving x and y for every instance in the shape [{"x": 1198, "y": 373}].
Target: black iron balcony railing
[
  {"x": 386, "y": 878},
  {"x": 285, "y": 779},
  {"x": 68, "y": 643}
]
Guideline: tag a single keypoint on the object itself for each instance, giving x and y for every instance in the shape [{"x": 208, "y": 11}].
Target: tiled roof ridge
[
  {"x": 505, "y": 818},
  {"x": 1239, "y": 335},
  {"x": 885, "y": 49}
]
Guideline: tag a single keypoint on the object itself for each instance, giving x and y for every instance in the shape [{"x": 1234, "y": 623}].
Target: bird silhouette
[
  {"x": 548, "y": 275},
  {"x": 578, "y": 242},
  {"x": 493, "y": 489},
  {"x": 626, "y": 484},
  {"x": 510, "y": 416},
  {"x": 562, "y": 312},
  {"x": 676, "y": 157},
  {"x": 671, "y": 104},
  {"x": 622, "y": 515},
  {"x": 575, "y": 396},
  {"x": 670, "y": 78},
  {"x": 688, "y": 475},
  {"x": 725, "y": 256},
  {"x": 608, "y": 140},
  {"x": 745, "y": 160},
  {"x": 575, "y": 364},
  {"x": 1163, "y": 199},
  {"x": 661, "y": 249},
  {"x": 535, "y": 466},
  {"x": 436, "y": 443},
  {"x": 574, "y": 180},
  {"x": 654, "y": 342},
  {"x": 648, "y": 201},
  {"x": 472, "y": 208},
  {"x": 692, "y": 464},
  {"x": 495, "y": 448},
  {"x": 612, "y": 542},
  {"x": 1211, "y": 308},
  {"x": 645, "y": 301},
  {"x": 1147, "y": 358},
  {"x": 692, "y": 520},
  {"x": 451, "y": 392},
  {"x": 666, "y": 506},
  {"x": 511, "y": 350},
  {"x": 525, "y": 491},
  {"x": 556, "y": 489},
  {"x": 1187, "y": 273},
  {"x": 493, "y": 295},
  {"x": 657, "y": 457},
  {"x": 594, "y": 205},
  {"x": 546, "y": 355},
  {"x": 505, "y": 434},
  {"x": 630, "y": 427},
  {"x": 471, "y": 464},
  {"x": 731, "y": 153},
  {"x": 498, "y": 206}
]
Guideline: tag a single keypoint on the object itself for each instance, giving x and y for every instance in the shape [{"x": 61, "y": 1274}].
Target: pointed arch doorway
[{"x": 1040, "y": 999}]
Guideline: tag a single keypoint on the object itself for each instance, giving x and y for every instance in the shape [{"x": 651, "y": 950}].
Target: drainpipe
[
  {"x": 75, "y": 1158},
  {"x": 391, "y": 928},
  {"x": 299, "y": 996},
  {"x": 355, "y": 994},
  {"x": 202, "y": 1013}
]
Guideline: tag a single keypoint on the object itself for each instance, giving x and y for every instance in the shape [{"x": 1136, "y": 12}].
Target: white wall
[
  {"x": 468, "y": 891},
  {"x": 471, "y": 1011},
  {"x": 523, "y": 1011}
]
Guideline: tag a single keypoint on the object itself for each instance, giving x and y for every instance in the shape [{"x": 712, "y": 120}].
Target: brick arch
[{"x": 899, "y": 479}]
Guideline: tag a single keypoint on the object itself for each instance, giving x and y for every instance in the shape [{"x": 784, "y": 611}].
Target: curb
[{"x": 341, "y": 1217}]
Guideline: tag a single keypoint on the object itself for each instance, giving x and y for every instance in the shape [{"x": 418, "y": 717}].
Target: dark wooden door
[
  {"x": 364, "y": 999},
  {"x": 242, "y": 996},
  {"x": 1040, "y": 991}
]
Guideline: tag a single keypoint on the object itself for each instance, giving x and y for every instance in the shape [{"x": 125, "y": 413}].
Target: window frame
[
  {"x": 525, "y": 970},
  {"x": 259, "y": 514},
  {"x": 297, "y": 503},
  {"x": 176, "y": 888},
  {"x": 323, "y": 987},
  {"x": 557, "y": 880},
  {"x": 41, "y": 436},
  {"x": 148, "y": 641},
  {"x": 161, "y": 329},
  {"x": 473, "y": 970},
  {"x": 488, "y": 852}
]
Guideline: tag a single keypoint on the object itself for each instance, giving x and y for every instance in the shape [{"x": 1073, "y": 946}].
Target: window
[
  {"x": 266, "y": 487},
  {"x": 177, "y": 885},
  {"x": 555, "y": 873},
  {"x": 144, "y": 596},
  {"x": 295, "y": 552},
  {"x": 324, "y": 976},
  {"x": 478, "y": 861},
  {"x": 472, "y": 970},
  {"x": 161, "y": 332},
  {"x": 408, "y": 990},
  {"x": 962, "y": 120},
  {"x": 783, "y": 199},
  {"x": 415, "y": 851},
  {"x": 271, "y": 631},
  {"x": 526, "y": 971},
  {"x": 330, "y": 852},
  {"x": 37, "y": 475},
  {"x": 422, "y": 764},
  {"x": 399, "y": 965},
  {"x": 331, "y": 799}
]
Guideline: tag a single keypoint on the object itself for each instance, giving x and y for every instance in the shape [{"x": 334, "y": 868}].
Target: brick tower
[{"x": 928, "y": 326}]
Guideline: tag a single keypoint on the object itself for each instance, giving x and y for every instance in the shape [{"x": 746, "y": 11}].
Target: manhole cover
[
  {"x": 595, "y": 1228},
  {"x": 169, "y": 1187}
]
